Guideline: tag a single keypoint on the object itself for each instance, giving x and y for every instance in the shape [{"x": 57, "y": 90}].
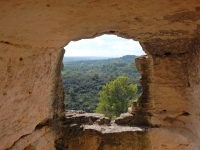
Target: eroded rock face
[
  {"x": 30, "y": 91},
  {"x": 31, "y": 95},
  {"x": 82, "y": 131},
  {"x": 169, "y": 94}
]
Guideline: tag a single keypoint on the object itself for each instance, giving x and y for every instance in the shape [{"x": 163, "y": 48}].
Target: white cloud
[{"x": 106, "y": 45}]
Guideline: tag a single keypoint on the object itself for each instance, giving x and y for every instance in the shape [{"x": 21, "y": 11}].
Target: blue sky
[{"x": 105, "y": 45}]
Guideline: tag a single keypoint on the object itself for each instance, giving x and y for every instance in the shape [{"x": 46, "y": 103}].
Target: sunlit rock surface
[
  {"x": 82, "y": 131},
  {"x": 33, "y": 34}
]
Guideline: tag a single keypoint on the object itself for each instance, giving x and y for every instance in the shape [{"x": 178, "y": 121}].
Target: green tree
[{"x": 115, "y": 97}]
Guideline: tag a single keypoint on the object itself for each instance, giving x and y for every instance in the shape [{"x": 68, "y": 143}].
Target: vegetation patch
[{"x": 84, "y": 79}]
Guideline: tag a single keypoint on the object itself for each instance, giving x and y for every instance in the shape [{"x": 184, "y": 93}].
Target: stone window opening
[{"x": 71, "y": 97}]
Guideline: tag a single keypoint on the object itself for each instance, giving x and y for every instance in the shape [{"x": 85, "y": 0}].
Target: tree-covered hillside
[{"x": 84, "y": 79}]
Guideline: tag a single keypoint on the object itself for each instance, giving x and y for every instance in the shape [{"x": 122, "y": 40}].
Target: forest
[{"x": 83, "y": 79}]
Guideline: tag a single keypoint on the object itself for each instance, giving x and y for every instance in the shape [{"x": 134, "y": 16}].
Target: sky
[{"x": 104, "y": 46}]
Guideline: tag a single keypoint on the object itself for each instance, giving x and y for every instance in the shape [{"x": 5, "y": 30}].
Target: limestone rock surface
[
  {"x": 87, "y": 134},
  {"x": 33, "y": 34}
]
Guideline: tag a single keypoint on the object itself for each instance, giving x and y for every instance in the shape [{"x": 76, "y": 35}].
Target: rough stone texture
[
  {"x": 169, "y": 94},
  {"x": 74, "y": 117},
  {"x": 54, "y": 23},
  {"x": 28, "y": 79},
  {"x": 39, "y": 139},
  {"x": 31, "y": 40},
  {"x": 81, "y": 131}
]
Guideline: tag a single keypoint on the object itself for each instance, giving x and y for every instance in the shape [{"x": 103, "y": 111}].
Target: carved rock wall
[
  {"x": 29, "y": 90},
  {"x": 31, "y": 40},
  {"x": 170, "y": 83}
]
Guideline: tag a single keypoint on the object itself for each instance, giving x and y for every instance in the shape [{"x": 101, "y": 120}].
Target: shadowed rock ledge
[{"x": 83, "y": 131}]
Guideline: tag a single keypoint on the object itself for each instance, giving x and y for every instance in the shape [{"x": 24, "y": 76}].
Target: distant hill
[
  {"x": 80, "y": 58},
  {"x": 93, "y": 61}
]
